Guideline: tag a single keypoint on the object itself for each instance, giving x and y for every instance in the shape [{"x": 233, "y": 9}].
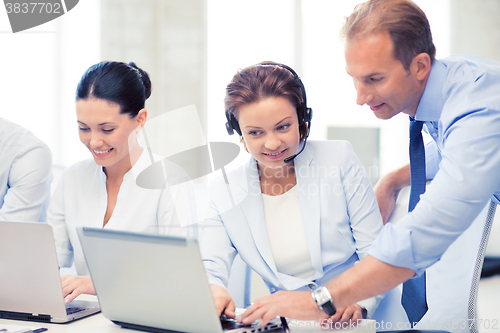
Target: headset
[{"x": 304, "y": 113}]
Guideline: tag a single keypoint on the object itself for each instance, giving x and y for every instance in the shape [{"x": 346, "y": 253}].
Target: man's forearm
[
  {"x": 370, "y": 277},
  {"x": 397, "y": 179}
]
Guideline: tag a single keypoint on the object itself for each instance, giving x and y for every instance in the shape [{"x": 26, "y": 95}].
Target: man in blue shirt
[{"x": 390, "y": 56}]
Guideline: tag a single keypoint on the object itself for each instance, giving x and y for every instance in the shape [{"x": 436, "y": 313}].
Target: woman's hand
[
  {"x": 223, "y": 302},
  {"x": 73, "y": 286}
]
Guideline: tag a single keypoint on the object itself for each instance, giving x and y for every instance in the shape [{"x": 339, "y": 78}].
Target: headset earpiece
[
  {"x": 232, "y": 124},
  {"x": 308, "y": 115}
]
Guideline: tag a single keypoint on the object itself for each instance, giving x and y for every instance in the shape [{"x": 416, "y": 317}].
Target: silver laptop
[
  {"x": 154, "y": 283},
  {"x": 30, "y": 284}
]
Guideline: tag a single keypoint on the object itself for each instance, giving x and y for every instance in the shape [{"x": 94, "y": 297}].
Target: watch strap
[{"x": 329, "y": 308}]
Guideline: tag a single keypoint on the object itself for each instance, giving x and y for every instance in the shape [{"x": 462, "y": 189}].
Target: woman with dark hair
[
  {"x": 298, "y": 214},
  {"x": 102, "y": 192}
]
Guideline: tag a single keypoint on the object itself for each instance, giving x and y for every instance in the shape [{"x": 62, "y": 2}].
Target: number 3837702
[{"x": 34, "y": 7}]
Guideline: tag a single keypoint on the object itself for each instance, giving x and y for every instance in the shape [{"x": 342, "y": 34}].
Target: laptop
[
  {"x": 154, "y": 283},
  {"x": 30, "y": 284}
]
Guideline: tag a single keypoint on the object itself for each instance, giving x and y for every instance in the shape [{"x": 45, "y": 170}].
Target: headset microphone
[{"x": 291, "y": 158}]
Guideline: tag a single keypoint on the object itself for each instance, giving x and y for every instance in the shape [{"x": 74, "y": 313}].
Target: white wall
[{"x": 40, "y": 70}]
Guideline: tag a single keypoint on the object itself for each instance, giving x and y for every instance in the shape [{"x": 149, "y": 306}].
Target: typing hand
[
  {"x": 76, "y": 285},
  {"x": 351, "y": 313},
  {"x": 290, "y": 304},
  {"x": 223, "y": 302}
]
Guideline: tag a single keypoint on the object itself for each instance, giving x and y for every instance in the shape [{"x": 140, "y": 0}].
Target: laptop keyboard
[
  {"x": 229, "y": 324},
  {"x": 232, "y": 324},
  {"x": 70, "y": 311}
]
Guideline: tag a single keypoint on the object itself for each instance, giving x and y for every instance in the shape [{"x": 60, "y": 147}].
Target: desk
[
  {"x": 99, "y": 324},
  {"x": 93, "y": 324}
]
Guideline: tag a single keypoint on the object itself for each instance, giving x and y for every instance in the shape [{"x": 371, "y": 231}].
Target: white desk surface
[
  {"x": 99, "y": 324},
  {"x": 93, "y": 324}
]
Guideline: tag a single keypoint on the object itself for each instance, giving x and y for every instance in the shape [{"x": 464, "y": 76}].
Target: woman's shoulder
[{"x": 233, "y": 175}]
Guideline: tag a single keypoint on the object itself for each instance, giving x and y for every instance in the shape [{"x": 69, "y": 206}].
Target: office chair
[
  {"x": 452, "y": 282},
  {"x": 491, "y": 267}
]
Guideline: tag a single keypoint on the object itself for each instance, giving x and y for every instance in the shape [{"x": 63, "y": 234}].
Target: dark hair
[
  {"x": 124, "y": 84},
  {"x": 258, "y": 82},
  {"x": 405, "y": 22}
]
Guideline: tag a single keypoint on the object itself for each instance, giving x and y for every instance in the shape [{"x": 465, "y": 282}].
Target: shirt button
[{"x": 434, "y": 135}]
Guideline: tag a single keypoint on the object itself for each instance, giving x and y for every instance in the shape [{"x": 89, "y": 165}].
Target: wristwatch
[{"x": 323, "y": 299}]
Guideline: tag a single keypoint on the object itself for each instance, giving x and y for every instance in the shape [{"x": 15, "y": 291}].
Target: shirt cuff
[
  {"x": 394, "y": 247},
  {"x": 370, "y": 304}
]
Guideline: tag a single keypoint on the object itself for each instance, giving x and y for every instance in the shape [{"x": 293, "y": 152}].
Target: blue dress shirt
[{"x": 461, "y": 110}]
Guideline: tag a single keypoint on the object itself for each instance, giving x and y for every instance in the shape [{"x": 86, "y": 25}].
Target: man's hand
[
  {"x": 351, "y": 313},
  {"x": 73, "y": 286},
  {"x": 291, "y": 304},
  {"x": 223, "y": 302},
  {"x": 387, "y": 187},
  {"x": 386, "y": 199}
]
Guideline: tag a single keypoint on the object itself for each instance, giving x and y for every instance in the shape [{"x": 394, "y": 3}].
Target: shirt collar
[{"x": 430, "y": 105}]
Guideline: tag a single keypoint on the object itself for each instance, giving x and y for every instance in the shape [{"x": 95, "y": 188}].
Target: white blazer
[{"x": 339, "y": 211}]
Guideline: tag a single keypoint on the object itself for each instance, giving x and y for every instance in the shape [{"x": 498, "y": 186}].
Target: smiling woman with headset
[{"x": 298, "y": 214}]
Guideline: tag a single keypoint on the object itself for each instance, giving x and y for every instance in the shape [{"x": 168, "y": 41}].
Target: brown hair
[
  {"x": 405, "y": 22},
  {"x": 258, "y": 82}
]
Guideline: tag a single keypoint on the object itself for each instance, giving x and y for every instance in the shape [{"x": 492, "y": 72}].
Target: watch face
[
  {"x": 321, "y": 296},
  {"x": 324, "y": 301}
]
